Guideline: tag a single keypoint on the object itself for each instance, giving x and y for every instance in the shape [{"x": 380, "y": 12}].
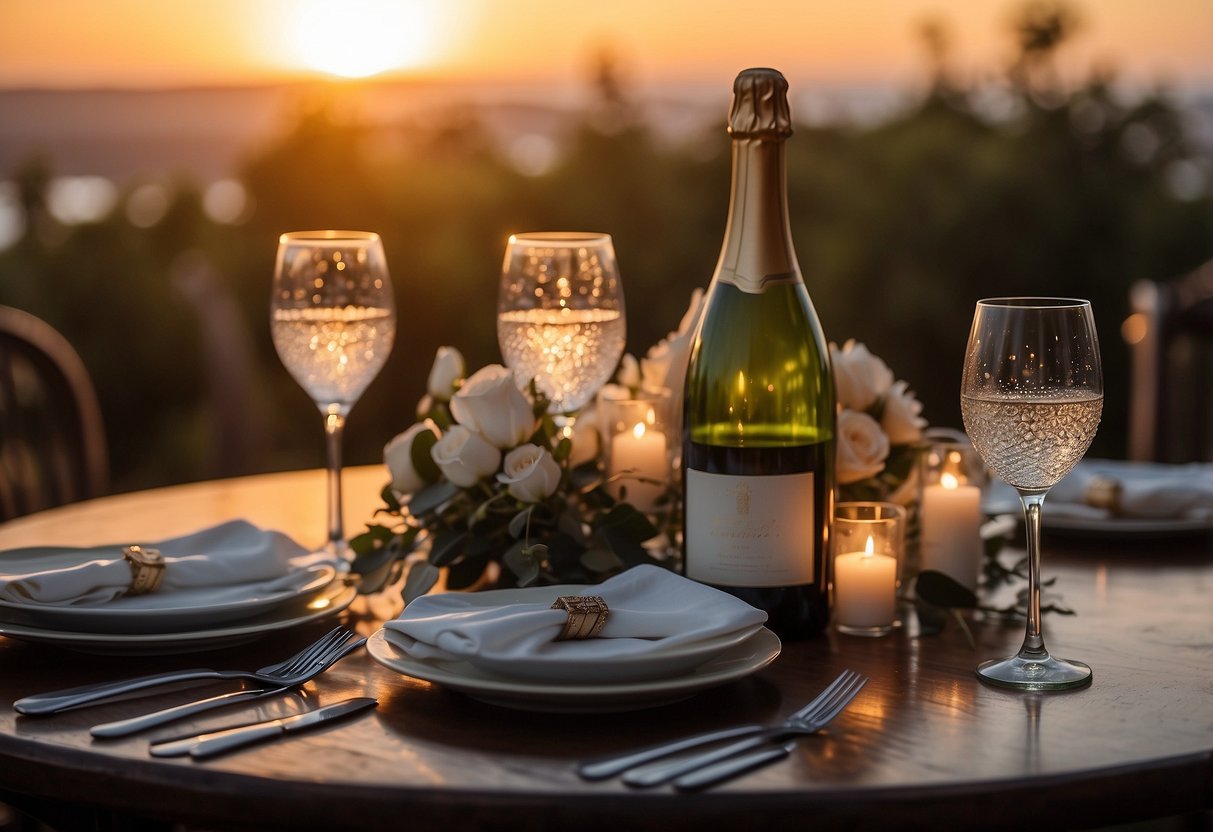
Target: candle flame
[
  {"x": 870, "y": 549},
  {"x": 651, "y": 417},
  {"x": 638, "y": 431},
  {"x": 948, "y": 481}
]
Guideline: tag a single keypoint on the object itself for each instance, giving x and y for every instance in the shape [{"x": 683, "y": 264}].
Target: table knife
[{"x": 219, "y": 742}]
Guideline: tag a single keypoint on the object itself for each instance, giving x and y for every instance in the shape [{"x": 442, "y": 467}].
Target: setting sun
[{"x": 360, "y": 38}]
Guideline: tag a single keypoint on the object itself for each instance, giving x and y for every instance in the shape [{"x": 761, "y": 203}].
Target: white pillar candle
[
  {"x": 865, "y": 588},
  {"x": 639, "y": 452},
  {"x": 951, "y": 529}
]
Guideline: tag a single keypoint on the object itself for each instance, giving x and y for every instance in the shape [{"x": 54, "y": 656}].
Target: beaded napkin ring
[
  {"x": 147, "y": 568},
  {"x": 1103, "y": 492},
  {"x": 587, "y": 616}
]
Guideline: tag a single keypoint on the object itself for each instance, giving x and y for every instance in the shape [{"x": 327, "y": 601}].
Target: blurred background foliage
[{"x": 1018, "y": 186}]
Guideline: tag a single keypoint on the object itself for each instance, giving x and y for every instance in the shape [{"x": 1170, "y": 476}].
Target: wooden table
[{"x": 925, "y": 745}]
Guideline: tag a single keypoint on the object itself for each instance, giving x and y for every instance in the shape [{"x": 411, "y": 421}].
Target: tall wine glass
[
  {"x": 333, "y": 317},
  {"x": 1031, "y": 397},
  {"x": 560, "y": 317}
]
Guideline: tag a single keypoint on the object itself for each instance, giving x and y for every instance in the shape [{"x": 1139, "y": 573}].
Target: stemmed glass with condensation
[
  {"x": 1031, "y": 397},
  {"x": 560, "y": 315},
  {"x": 333, "y": 318}
]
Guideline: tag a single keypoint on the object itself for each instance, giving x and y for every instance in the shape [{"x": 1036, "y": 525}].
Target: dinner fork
[
  {"x": 320, "y": 663},
  {"x": 292, "y": 671},
  {"x": 605, "y": 767},
  {"x": 806, "y": 721}
]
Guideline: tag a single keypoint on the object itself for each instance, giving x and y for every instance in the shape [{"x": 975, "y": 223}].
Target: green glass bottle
[{"x": 759, "y": 417}]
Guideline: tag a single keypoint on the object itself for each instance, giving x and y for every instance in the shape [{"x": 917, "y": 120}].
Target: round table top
[{"x": 924, "y": 743}]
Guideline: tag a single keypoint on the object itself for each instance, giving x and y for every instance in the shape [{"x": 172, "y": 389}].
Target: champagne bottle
[{"x": 758, "y": 447}]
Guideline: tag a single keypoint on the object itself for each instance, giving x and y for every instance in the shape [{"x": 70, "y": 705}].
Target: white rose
[
  {"x": 530, "y": 472},
  {"x": 860, "y": 378},
  {"x": 491, "y": 404},
  {"x": 398, "y": 457},
  {"x": 901, "y": 419},
  {"x": 629, "y": 372},
  {"x": 862, "y": 447},
  {"x": 465, "y": 457},
  {"x": 586, "y": 437},
  {"x": 445, "y": 373},
  {"x": 665, "y": 366}
]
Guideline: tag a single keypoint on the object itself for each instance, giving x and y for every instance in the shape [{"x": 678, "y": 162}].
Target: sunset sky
[{"x": 204, "y": 42}]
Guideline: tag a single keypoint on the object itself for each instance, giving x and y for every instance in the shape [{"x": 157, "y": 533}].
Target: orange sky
[{"x": 201, "y": 42}]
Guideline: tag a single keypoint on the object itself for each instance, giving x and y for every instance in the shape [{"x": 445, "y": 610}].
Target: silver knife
[{"x": 219, "y": 742}]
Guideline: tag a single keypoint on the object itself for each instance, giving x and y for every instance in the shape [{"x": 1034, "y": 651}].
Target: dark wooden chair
[
  {"x": 1170, "y": 336},
  {"x": 52, "y": 438}
]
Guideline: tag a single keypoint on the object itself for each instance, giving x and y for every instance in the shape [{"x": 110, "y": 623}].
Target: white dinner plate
[
  {"x": 568, "y": 665},
  {"x": 735, "y": 662},
  {"x": 330, "y": 600},
  {"x": 1083, "y": 521},
  {"x": 179, "y": 610}
]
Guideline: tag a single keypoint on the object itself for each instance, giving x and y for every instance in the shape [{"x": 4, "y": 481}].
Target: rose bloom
[
  {"x": 465, "y": 457},
  {"x": 860, "y": 378},
  {"x": 901, "y": 420},
  {"x": 862, "y": 447},
  {"x": 530, "y": 473},
  {"x": 491, "y": 404},
  {"x": 398, "y": 457},
  {"x": 448, "y": 368},
  {"x": 665, "y": 365}
]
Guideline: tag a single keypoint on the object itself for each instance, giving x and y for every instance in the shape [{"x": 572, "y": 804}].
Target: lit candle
[
  {"x": 865, "y": 588},
  {"x": 639, "y": 453},
  {"x": 951, "y": 529}
]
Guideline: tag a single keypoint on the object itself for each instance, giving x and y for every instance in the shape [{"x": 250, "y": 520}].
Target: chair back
[
  {"x": 52, "y": 438},
  {"x": 1170, "y": 336}
]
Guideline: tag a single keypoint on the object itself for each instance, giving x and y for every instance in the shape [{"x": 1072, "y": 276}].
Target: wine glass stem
[
  {"x": 1033, "y": 642},
  {"x": 334, "y": 426}
]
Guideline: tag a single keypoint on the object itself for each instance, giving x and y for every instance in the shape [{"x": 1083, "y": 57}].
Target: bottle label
[{"x": 749, "y": 531}]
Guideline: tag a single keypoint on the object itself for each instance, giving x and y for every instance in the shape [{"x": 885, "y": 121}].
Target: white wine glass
[
  {"x": 560, "y": 315},
  {"x": 333, "y": 318},
  {"x": 1031, "y": 397}
]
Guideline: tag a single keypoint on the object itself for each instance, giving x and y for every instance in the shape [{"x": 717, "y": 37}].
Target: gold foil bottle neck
[{"x": 760, "y": 105}]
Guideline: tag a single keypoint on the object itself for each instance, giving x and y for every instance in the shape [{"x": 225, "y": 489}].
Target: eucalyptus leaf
[
  {"x": 446, "y": 547},
  {"x": 421, "y": 579},
  {"x": 423, "y": 461},
  {"x": 518, "y": 522},
  {"x": 625, "y": 522},
  {"x": 390, "y": 501},
  {"x": 432, "y": 497},
  {"x": 600, "y": 559},
  {"x": 520, "y": 560},
  {"x": 943, "y": 590}
]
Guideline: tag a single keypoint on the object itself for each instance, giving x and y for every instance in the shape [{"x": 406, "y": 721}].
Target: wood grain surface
[{"x": 924, "y": 745}]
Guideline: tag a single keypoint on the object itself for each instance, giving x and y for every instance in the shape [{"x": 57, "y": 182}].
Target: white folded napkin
[
  {"x": 653, "y": 611},
  {"x": 1147, "y": 492},
  {"x": 232, "y": 558}
]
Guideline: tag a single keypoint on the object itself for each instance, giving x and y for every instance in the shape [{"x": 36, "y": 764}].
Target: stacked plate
[
  {"x": 182, "y": 619},
  {"x": 575, "y": 684}
]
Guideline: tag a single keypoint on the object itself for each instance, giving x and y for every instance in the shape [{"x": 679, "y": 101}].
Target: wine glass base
[{"x": 1047, "y": 673}]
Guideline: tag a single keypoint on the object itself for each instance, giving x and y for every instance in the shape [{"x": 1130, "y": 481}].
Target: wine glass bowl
[
  {"x": 333, "y": 320},
  {"x": 560, "y": 314},
  {"x": 1031, "y": 399}
]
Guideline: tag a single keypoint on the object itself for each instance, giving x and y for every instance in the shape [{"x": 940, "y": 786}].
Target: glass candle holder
[
  {"x": 636, "y": 447},
  {"x": 868, "y": 542},
  {"x": 949, "y": 507}
]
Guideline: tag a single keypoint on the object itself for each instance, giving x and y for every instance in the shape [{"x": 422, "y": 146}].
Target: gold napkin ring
[
  {"x": 147, "y": 568},
  {"x": 587, "y": 616},
  {"x": 1103, "y": 492}
]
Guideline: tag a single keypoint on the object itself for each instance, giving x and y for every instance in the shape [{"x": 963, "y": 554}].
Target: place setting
[{"x": 217, "y": 587}]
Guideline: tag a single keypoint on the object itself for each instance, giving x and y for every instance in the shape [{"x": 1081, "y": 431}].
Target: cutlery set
[
  {"x": 274, "y": 679},
  {"x": 689, "y": 764},
  {"x": 749, "y": 747}
]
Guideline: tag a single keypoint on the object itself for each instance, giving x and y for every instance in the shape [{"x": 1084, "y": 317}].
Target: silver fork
[
  {"x": 318, "y": 664},
  {"x": 605, "y": 767},
  {"x": 284, "y": 673},
  {"x": 806, "y": 721}
]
